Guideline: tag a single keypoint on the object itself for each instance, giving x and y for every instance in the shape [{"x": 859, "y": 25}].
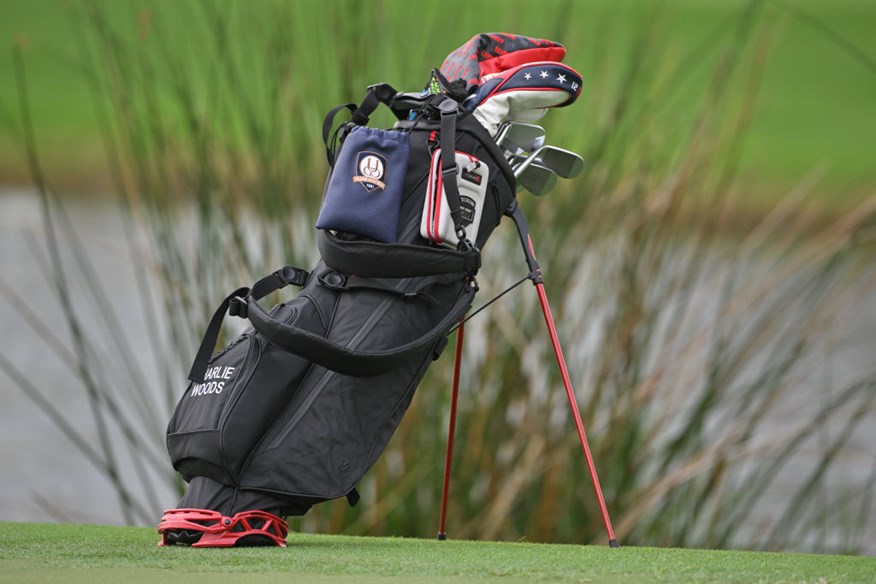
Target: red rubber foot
[{"x": 203, "y": 528}]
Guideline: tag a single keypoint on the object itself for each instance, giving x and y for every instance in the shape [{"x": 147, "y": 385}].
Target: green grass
[{"x": 83, "y": 553}]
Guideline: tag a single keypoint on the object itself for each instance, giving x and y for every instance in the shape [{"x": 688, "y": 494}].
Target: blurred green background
[{"x": 814, "y": 111}]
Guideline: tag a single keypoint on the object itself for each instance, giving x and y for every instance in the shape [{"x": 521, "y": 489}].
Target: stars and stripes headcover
[
  {"x": 490, "y": 53},
  {"x": 523, "y": 93}
]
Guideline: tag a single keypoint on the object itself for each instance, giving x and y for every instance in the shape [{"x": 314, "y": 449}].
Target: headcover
[
  {"x": 489, "y": 53},
  {"x": 508, "y": 77},
  {"x": 524, "y": 93}
]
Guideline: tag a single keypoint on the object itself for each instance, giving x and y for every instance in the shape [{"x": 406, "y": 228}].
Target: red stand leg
[
  {"x": 519, "y": 219},
  {"x": 558, "y": 351},
  {"x": 460, "y": 336}
]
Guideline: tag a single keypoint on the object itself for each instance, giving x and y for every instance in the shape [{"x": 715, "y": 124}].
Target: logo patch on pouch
[
  {"x": 372, "y": 168},
  {"x": 472, "y": 176},
  {"x": 468, "y": 207}
]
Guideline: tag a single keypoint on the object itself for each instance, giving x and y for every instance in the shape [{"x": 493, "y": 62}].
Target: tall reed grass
[{"x": 697, "y": 336}]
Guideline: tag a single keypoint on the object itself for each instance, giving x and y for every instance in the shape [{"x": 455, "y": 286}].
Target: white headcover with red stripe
[
  {"x": 512, "y": 77},
  {"x": 524, "y": 93}
]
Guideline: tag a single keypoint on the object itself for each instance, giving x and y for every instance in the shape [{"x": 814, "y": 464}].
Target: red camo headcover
[{"x": 488, "y": 53}]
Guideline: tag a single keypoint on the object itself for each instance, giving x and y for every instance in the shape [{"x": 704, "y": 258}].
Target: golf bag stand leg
[
  {"x": 448, "y": 461},
  {"x": 516, "y": 214}
]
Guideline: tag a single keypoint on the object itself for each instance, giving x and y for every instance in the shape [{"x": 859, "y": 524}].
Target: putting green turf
[{"x": 84, "y": 553}]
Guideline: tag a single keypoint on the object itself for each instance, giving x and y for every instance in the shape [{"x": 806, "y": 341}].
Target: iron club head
[
  {"x": 535, "y": 178},
  {"x": 565, "y": 163},
  {"x": 520, "y": 162},
  {"x": 520, "y": 136}
]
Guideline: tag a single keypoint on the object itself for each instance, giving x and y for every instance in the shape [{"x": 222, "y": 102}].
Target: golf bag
[{"x": 295, "y": 410}]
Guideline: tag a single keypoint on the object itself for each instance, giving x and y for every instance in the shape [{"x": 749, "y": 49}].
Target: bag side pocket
[
  {"x": 472, "y": 179},
  {"x": 364, "y": 192},
  {"x": 276, "y": 378},
  {"x": 194, "y": 428}
]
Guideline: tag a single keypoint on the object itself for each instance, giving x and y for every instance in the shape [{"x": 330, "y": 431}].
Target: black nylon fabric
[
  {"x": 380, "y": 260},
  {"x": 359, "y": 361},
  {"x": 285, "y": 432}
]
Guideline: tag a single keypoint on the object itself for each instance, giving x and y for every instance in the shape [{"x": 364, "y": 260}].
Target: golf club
[
  {"x": 565, "y": 163},
  {"x": 537, "y": 179},
  {"x": 518, "y": 135},
  {"x": 525, "y": 161}
]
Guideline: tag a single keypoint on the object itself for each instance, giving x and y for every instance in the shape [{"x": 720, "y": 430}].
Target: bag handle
[
  {"x": 232, "y": 305},
  {"x": 331, "y": 139},
  {"x": 375, "y": 95},
  {"x": 346, "y": 360}
]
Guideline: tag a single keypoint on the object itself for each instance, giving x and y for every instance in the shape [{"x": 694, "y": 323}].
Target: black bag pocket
[{"x": 217, "y": 423}]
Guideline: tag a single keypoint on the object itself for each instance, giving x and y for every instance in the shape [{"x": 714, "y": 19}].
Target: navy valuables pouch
[{"x": 364, "y": 192}]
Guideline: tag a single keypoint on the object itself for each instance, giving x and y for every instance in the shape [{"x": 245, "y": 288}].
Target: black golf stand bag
[{"x": 295, "y": 410}]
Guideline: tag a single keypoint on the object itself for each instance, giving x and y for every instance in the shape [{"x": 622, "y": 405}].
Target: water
[{"x": 43, "y": 477}]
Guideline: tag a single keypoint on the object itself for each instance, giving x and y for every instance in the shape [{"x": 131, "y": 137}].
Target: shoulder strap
[
  {"x": 449, "y": 110},
  {"x": 338, "y": 281},
  {"x": 243, "y": 302},
  {"x": 346, "y": 360}
]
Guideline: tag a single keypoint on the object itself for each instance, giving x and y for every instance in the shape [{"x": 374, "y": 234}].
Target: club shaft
[{"x": 521, "y": 168}]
